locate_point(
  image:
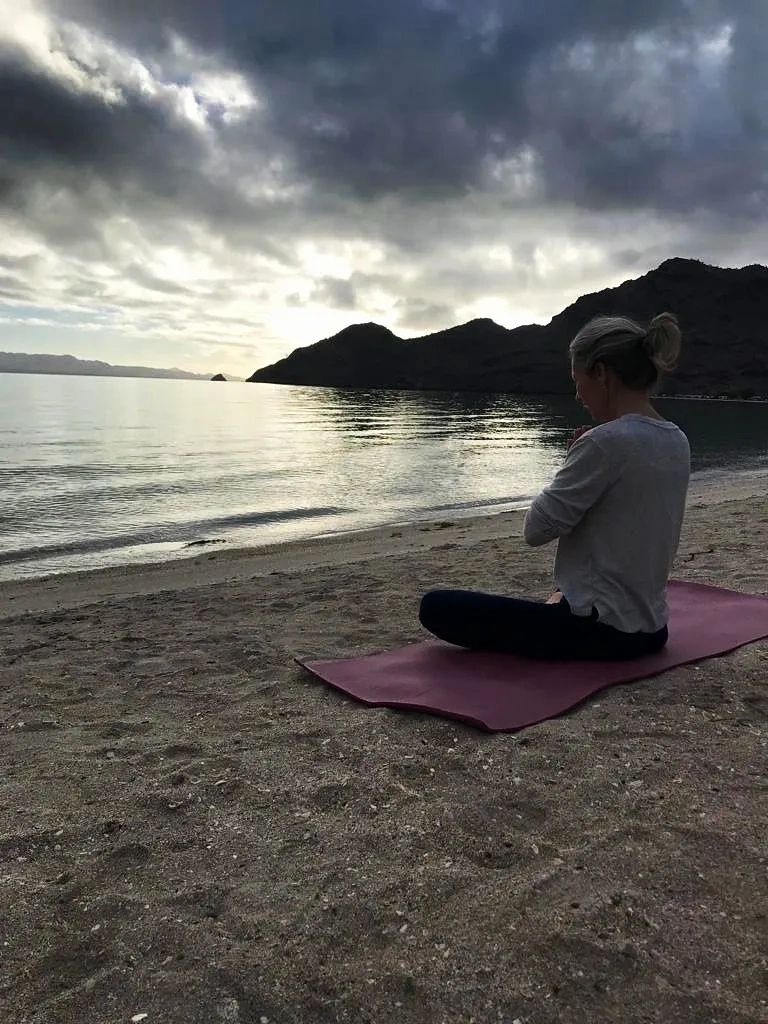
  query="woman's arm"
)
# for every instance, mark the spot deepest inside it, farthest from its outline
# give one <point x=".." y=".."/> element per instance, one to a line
<point x="585" y="476"/>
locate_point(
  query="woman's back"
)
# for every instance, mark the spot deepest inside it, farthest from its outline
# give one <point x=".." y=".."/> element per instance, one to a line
<point x="617" y="507"/>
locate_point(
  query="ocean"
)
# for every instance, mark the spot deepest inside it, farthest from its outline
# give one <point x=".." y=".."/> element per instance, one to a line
<point x="103" y="471"/>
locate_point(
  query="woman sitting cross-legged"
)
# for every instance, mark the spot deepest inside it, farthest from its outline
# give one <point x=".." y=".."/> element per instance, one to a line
<point x="615" y="508"/>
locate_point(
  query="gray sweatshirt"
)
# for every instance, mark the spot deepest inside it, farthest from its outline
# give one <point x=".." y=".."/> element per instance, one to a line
<point x="617" y="507"/>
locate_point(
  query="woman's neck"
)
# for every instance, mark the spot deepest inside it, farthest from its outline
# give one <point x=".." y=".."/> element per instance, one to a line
<point x="628" y="403"/>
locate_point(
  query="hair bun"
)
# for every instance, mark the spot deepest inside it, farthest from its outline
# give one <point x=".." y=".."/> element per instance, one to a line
<point x="662" y="342"/>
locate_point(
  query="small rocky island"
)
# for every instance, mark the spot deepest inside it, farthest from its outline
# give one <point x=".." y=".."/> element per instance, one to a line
<point x="219" y="376"/>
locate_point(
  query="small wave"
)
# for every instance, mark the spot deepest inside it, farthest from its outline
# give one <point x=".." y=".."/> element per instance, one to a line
<point x="168" y="533"/>
<point x="515" y="499"/>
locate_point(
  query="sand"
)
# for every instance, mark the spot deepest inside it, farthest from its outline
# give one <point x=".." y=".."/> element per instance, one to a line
<point x="192" y="829"/>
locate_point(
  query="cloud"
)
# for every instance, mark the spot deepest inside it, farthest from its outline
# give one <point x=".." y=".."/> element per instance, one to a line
<point x="193" y="170"/>
<point x="152" y="282"/>
<point x="416" y="315"/>
<point x="48" y="127"/>
<point x="337" y="292"/>
<point x="428" y="98"/>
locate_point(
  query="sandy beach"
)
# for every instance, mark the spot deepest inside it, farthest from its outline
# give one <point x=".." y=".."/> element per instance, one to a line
<point x="193" y="830"/>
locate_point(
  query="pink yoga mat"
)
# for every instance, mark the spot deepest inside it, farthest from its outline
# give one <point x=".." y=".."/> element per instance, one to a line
<point x="504" y="692"/>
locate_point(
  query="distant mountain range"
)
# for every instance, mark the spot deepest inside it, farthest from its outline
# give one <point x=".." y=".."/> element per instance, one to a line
<point x="723" y="315"/>
<point x="21" y="362"/>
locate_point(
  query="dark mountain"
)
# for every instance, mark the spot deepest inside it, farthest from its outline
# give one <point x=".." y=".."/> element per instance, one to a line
<point x="218" y="376"/>
<point x="723" y="314"/>
<point x="22" y="362"/>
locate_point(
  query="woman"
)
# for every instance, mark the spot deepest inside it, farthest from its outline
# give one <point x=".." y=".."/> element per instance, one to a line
<point x="615" y="508"/>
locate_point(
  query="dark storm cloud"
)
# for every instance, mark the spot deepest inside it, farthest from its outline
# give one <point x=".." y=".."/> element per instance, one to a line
<point x="47" y="125"/>
<point x="408" y="95"/>
<point x="417" y="96"/>
<point x="130" y="153"/>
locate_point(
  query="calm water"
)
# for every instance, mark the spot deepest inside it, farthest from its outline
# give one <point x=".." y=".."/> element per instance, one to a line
<point x="105" y="471"/>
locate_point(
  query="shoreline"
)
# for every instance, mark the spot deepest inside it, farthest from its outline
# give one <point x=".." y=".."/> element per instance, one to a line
<point x="195" y="378"/>
<point x="214" y="565"/>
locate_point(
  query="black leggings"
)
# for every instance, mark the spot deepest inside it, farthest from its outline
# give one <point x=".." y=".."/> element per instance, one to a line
<point x="531" y="628"/>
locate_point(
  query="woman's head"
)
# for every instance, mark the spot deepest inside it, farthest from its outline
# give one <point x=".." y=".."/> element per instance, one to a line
<point x="614" y="354"/>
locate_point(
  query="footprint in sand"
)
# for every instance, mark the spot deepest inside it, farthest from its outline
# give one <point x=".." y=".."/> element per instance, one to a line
<point x="495" y="833"/>
<point x="118" y="728"/>
<point x="331" y="796"/>
<point x="183" y="750"/>
<point x="71" y="963"/>
<point x="585" y="968"/>
<point x="201" y="901"/>
<point x="130" y="855"/>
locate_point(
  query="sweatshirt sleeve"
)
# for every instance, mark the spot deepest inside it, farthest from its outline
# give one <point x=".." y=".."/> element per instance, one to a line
<point x="585" y="476"/>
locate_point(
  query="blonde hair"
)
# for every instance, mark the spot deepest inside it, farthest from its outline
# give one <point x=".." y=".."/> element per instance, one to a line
<point x="638" y="355"/>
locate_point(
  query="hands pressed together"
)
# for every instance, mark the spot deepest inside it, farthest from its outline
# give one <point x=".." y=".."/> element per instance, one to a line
<point x="557" y="597"/>
<point x="578" y="432"/>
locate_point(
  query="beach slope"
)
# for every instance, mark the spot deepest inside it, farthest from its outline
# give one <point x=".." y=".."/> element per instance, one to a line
<point x="193" y="830"/>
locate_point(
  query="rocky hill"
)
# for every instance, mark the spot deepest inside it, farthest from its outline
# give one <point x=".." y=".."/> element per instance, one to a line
<point x="723" y="314"/>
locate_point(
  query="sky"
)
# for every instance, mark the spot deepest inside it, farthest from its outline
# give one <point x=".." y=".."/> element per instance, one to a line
<point x="212" y="183"/>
